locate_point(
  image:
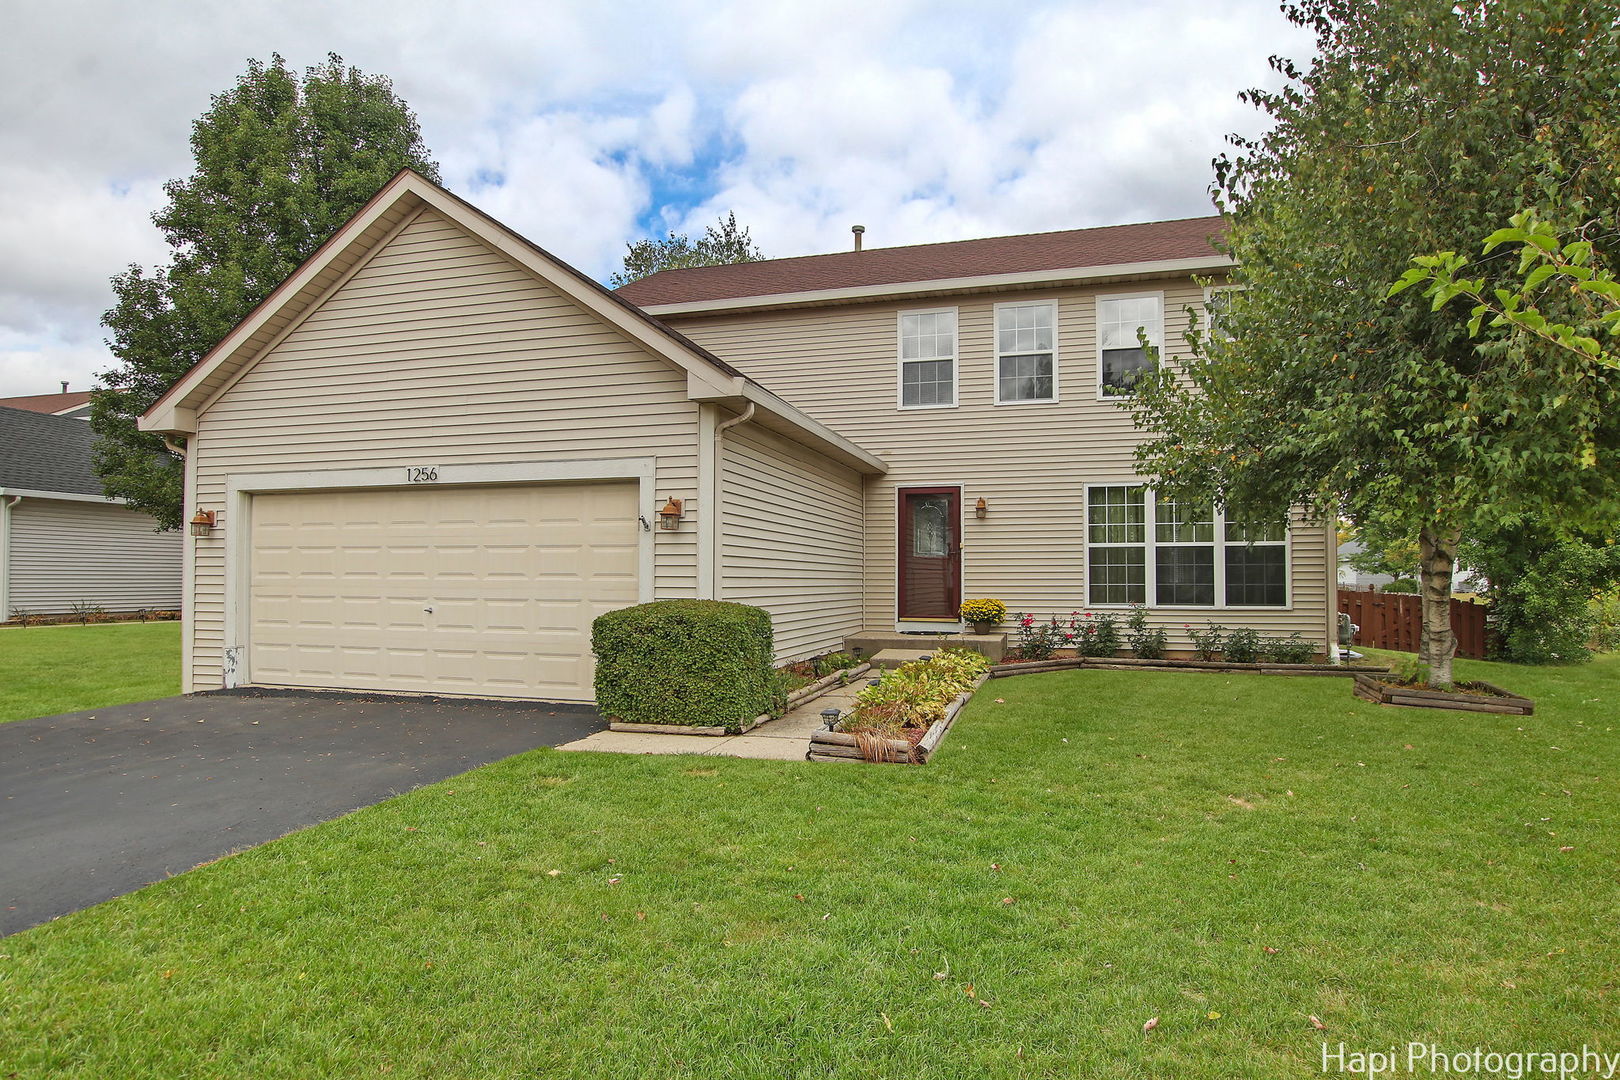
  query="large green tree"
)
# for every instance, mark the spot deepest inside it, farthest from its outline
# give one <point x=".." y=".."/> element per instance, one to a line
<point x="281" y="161"/>
<point x="1419" y="126"/>
<point x="723" y="242"/>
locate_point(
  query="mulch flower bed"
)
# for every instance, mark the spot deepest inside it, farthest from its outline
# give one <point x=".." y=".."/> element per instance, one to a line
<point x="1475" y="696"/>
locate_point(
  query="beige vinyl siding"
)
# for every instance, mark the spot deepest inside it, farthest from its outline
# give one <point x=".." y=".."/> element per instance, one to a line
<point x="791" y="540"/>
<point x="439" y="351"/>
<point x="64" y="552"/>
<point x="1030" y="462"/>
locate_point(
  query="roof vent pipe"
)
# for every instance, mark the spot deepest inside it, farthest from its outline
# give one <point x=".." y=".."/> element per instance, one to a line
<point x="857" y="230"/>
<point x="64" y="387"/>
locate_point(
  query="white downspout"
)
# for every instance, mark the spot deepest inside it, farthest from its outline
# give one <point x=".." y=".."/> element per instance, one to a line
<point x="717" y="575"/>
<point x="6" y="503"/>
<point x="188" y="561"/>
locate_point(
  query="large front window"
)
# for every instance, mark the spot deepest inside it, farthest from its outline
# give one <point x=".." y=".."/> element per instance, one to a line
<point x="1179" y="554"/>
<point x="928" y="359"/>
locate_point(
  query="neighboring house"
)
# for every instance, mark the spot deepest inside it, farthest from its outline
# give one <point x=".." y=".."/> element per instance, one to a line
<point x="1350" y="577"/>
<point x="74" y="403"/>
<point x="435" y="453"/>
<point x="62" y="541"/>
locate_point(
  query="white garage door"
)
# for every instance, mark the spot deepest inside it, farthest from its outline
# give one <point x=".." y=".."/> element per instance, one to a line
<point x="486" y="590"/>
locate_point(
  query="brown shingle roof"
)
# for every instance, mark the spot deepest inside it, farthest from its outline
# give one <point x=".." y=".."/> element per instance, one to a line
<point x="1188" y="238"/>
<point x="48" y="403"/>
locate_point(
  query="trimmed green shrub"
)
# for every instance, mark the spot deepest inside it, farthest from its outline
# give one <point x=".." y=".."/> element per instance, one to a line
<point x="697" y="663"/>
<point x="1402" y="585"/>
<point x="1292" y="649"/>
<point x="1243" y="645"/>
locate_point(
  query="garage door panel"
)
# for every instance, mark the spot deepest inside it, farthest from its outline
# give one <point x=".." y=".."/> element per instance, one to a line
<point x="514" y="575"/>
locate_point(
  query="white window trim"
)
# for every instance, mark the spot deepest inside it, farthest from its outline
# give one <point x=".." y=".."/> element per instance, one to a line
<point x="1097" y="335"/>
<point x="900" y="360"/>
<point x="1151" y="569"/>
<point x="995" y="330"/>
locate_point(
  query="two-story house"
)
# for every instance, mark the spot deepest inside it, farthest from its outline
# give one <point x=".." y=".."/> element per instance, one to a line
<point x="436" y="453"/>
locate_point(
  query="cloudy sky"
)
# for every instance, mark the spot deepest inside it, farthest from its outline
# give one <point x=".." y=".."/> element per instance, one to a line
<point x="589" y="124"/>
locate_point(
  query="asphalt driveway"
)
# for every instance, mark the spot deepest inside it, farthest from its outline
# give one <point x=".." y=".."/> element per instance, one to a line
<point x="95" y="804"/>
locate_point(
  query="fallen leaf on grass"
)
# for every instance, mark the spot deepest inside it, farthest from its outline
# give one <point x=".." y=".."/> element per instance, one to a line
<point x="886" y="1021"/>
<point x="1510" y="984"/>
<point x="941" y="976"/>
<point x="1269" y="951"/>
<point x="641" y="916"/>
<point x="984" y="1003"/>
<point x="968" y="990"/>
<point x="1317" y="1023"/>
<point x="1566" y="848"/>
<point x="553" y="873"/>
<point x="1150" y="1025"/>
<point x="1214" y="1015"/>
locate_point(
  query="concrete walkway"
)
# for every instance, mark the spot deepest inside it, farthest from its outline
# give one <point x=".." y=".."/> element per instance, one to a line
<point x="787" y="739"/>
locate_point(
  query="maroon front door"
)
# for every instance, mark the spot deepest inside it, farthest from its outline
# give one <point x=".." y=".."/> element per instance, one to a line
<point x="930" y="553"/>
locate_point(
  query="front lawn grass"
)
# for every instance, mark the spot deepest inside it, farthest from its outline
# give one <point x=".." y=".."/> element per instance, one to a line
<point x="60" y="669"/>
<point x="1090" y="849"/>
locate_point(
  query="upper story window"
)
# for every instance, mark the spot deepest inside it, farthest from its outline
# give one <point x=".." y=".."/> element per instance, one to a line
<point x="1120" y="356"/>
<point x="1026" y="353"/>
<point x="928" y="359"/>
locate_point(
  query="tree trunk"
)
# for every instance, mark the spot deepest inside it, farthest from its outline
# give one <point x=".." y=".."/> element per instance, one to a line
<point x="1437" y="547"/>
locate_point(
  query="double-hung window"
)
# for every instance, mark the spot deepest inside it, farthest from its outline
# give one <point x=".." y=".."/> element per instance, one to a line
<point x="928" y="359"/>
<point x="1147" y="550"/>
<point x="1026" y="353"/>
<point x="1121" y="359"/>
<point x="1256" y="565"/>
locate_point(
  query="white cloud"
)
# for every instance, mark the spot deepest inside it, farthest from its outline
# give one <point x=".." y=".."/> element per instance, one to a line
<point x="922" y="119"/>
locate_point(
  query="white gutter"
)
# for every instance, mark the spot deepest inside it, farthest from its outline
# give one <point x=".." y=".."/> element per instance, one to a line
<point x="1204" y="263"/>
<point x="6" y="503"/>
<point x="65" y="496"/>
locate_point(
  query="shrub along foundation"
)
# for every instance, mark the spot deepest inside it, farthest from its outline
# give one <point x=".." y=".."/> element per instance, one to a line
<point x="1120" y="663"/>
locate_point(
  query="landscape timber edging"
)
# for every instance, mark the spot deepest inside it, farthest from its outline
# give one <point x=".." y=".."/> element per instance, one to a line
<point x="1370" y="688"/>
<point x="842" y="746"/>
<point x="1122" y="663"/>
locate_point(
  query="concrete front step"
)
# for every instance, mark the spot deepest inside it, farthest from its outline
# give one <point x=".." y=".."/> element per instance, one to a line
<point x="867" y="643"/>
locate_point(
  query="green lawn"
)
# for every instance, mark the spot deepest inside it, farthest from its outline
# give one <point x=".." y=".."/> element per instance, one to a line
<point x="1230" y="854"/>
<point x="58" y="669"/>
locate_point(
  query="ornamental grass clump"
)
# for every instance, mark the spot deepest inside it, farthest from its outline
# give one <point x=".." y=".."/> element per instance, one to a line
<point x="915" y="695"/>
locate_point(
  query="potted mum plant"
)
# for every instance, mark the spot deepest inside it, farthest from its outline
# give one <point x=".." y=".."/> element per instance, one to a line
<point x="984" y="614"/>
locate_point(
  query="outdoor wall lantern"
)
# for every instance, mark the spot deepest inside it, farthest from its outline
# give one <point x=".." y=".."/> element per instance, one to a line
<point x="203" y="523"/>
<point x="981" y="509"/>
<point x="669" y="518"/>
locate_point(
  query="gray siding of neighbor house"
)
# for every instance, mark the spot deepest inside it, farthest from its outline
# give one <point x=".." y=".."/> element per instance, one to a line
<point x="63" y="552"/>
<point x="791" y="540"/>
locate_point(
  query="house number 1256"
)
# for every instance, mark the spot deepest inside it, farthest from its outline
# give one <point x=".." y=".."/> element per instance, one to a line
<point x="423" y="474"/>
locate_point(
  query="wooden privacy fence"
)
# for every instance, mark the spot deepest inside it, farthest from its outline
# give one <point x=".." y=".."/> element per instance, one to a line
<point x="1395" y="621"/>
